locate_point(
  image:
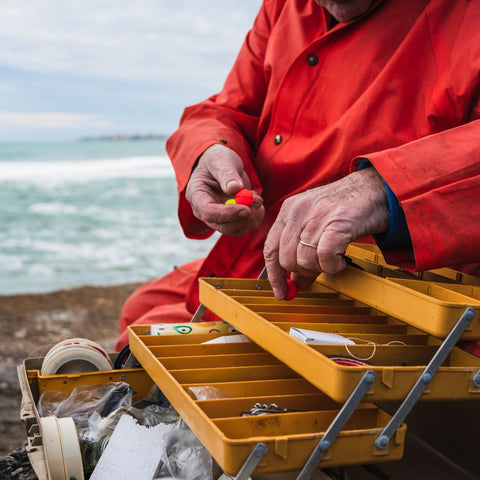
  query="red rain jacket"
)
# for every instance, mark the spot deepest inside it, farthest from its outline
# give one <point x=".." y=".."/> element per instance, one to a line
<point x="303" y="103"/>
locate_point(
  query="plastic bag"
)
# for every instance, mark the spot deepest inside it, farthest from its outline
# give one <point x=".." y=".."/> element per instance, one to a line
<point x="85" y="400"/>
<point x="149" y="416"/>
<point x="154" y="397"/>
<point x="207" y="393"/>
<point x="96" y="411"/>
<point x="184" y="457"/>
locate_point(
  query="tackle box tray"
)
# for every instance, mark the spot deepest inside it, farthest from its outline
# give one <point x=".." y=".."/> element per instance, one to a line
<point x="432" y="301"/>
<point x="400" y="356"/>
<point x="32" y="385"/>
<point x="245" y="374"/>
<point x="370" y="258"/>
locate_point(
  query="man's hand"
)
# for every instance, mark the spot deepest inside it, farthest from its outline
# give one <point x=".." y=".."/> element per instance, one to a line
<point x="218" y="176"/>
<point x="326" y="219"/>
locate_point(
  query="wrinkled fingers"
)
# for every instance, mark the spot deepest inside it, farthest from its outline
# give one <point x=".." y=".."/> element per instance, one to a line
<point x="276" y="273"/>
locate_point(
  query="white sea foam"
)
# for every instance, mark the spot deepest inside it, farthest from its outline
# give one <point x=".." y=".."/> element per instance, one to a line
<point x="10" y="263"/>
<point x="79" y="171"/>
<point x="53" y="209"/>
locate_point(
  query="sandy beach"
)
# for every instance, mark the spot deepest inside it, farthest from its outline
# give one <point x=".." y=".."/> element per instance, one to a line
<point x="30" y="324"/>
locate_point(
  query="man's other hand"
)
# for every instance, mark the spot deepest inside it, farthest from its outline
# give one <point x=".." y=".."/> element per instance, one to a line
<point x="313" y="229"/>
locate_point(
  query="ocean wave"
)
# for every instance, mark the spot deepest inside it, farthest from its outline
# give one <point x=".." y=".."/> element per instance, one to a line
<point x="51" y="263"/>
<point x="53" y="209"/>
<point x="79" y="171"/>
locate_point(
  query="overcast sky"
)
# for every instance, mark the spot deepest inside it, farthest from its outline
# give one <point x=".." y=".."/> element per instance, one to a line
<point x="90" y="67"/>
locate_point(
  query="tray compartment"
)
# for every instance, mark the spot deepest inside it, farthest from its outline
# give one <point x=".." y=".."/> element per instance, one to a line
<point x="215" y="361"/>
<point x="230" y="407"/>
<point x="259" y="388"/>
<point x="235" y="374"/>
<point x="230" y="437"/>
<point x="301" y="422"/>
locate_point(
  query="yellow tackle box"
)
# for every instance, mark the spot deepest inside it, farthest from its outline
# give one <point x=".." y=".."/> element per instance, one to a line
<point x="244" y="374"/>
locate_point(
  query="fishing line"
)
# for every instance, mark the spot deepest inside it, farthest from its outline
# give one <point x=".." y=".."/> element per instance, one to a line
<point x="374" y="345"/>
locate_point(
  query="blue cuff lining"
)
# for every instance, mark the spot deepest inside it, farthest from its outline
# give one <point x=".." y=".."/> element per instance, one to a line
<point x="397" y="236"/>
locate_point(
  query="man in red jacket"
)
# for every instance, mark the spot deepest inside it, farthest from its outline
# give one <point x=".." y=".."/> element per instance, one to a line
<point x="346" y="118"/>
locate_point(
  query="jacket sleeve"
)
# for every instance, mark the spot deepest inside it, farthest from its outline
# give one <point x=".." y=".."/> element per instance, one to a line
<point x="436" y="180"/>
<point x="230" y="117"/>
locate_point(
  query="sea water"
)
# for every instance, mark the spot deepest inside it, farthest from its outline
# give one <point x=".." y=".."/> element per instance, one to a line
<point x="88" y="212"/>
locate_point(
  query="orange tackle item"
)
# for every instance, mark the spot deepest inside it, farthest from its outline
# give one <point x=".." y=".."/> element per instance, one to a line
<point x="244" y="197"/>
<point x="292" y="290"/>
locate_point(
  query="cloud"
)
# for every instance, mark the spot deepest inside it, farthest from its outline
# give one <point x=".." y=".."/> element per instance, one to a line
<point x="182" y="41"/>
<point x="52" y="120"/>
<point x="77" y="67"/>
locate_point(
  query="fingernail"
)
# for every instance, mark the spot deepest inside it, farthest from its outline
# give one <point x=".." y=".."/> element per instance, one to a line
<point x="243" y="213"/>
<point x="277" y="293"/>
<point x="232" y="184"/>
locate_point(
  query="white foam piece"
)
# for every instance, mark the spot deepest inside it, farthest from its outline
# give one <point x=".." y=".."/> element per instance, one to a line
<point x="229" y="339"/>
<point x="313" y="336"/>
<point x="134" y="451"/>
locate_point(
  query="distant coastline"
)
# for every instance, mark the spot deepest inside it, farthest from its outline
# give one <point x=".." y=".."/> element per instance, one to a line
<point x="124" y="138"/>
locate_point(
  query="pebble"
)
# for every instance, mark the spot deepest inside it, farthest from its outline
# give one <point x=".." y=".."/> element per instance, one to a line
<point x="17" y="466"/>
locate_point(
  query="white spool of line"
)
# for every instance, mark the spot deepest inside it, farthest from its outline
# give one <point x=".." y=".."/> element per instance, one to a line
<point x="75" y="355"/>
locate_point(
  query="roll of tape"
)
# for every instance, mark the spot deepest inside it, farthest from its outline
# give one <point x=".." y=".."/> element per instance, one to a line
<point x="75" y="355"/>
<point x="53" y="448"/>
<point x="75" y="360"/>
<point x="72" y="457"/>
<point x="75" y="342"/>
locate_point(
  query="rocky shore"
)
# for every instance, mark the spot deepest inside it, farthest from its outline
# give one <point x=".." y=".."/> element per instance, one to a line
<point x="30" y="324"/>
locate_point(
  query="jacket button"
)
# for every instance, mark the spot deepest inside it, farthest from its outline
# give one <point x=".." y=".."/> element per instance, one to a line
<point x="312" y="60"/>
<point x="278" y="139"/>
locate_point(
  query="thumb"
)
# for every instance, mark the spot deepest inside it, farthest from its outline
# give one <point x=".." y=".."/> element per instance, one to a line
<point x="232" y="184"/>
<point x="229" y="178"/>
<point x="227" y="168"/>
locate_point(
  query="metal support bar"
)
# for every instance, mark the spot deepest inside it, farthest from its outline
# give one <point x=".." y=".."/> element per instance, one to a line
<point x="338" y="423"/>
<point x="426" y="377"/>
<point x="476" y="379"/>
<point x="263" y="274"/>
<point x="252" y="461"/>
<point x="197" y="316"/>
<point x="130" y="362"/>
